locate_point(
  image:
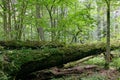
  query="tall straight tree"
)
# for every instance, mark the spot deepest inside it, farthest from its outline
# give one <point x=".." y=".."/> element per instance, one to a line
<point x="108" y="35"/>
<point x="20" y="22"/>
<point x="99" y="7"/>
<point x="49" y="8"/>
<point x="7" y="18"/>
<point x="38" y="16"/>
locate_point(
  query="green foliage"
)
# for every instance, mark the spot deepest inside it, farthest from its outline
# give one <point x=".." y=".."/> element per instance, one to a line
<point x="97" y="60"/>
<point x="116" y="63"/>
<point x="94" y="77"/>
<point x="1" y="48"/>
<point x="3" y="76"/>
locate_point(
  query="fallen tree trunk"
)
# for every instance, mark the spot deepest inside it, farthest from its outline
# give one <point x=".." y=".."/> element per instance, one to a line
<point x="30" y="44"/>
<point x="59" y="56"/>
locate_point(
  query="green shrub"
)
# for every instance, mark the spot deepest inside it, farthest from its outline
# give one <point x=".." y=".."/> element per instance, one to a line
<point x="1" y="48"/>
<point x="95" y="77"/>
<point x="116" y="63"/>
<point x="96" y="60"/>
<point x="3" y="76"/>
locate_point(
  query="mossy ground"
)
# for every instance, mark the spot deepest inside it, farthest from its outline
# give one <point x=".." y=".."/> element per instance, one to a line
<point x="95" y="73"/>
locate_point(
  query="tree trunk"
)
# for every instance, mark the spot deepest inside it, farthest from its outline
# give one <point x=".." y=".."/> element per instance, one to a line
<point x="38" y="16"/>
<point x="19" y="26"/>
<point x="7" y="19"/>
<point x="108" y="35"/>
<point x="30" y="44"/>
<point x="51" y="12"/>
<point x="60" y="56"/>
<point x="98" y="22"/>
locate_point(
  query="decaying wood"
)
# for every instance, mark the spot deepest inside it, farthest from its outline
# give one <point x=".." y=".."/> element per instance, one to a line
<point x="63" y="55"/>
<point x="30" y="44"/>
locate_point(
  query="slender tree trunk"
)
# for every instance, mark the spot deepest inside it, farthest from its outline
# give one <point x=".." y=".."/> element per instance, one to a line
<point x="5" y="19"/>
<point x="19" y="27"/>
<point x="63" y="14"/>
<point x="104" y="23"/>
<point x="13" y="2"/>
<point x="38" y="16"/>
<point x="52" y="26"/>
<point x="9" y="19"/>
<point x="22" y="15"/>
<point x="108" y="35"/>
<point x="98" y="22"/>
<point x="50" y="10"/>
<point x="54" y="23"/>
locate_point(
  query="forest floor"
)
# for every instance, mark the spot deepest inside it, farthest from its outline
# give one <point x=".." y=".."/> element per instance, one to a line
<point x="91" y="68"/>
<point x="84" y="72"/>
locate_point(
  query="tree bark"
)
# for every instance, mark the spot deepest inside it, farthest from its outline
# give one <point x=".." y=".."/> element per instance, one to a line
<point x="108" y="35"/>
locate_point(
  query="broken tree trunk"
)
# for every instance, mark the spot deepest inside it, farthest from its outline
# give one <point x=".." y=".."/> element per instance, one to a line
<point x="59" y="56"/>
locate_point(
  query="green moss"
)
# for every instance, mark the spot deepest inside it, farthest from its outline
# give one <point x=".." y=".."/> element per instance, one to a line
<point x="30" y="44"/>
<point x="1" y="48"/>
<point x="97" y="61"/>
<point x="50" y="55"/>
<point x="116" y="63"/>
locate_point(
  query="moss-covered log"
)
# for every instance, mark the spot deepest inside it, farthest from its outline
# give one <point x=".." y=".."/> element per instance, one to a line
<point x="57" y="56"/>
<point x="30" y="44"/>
